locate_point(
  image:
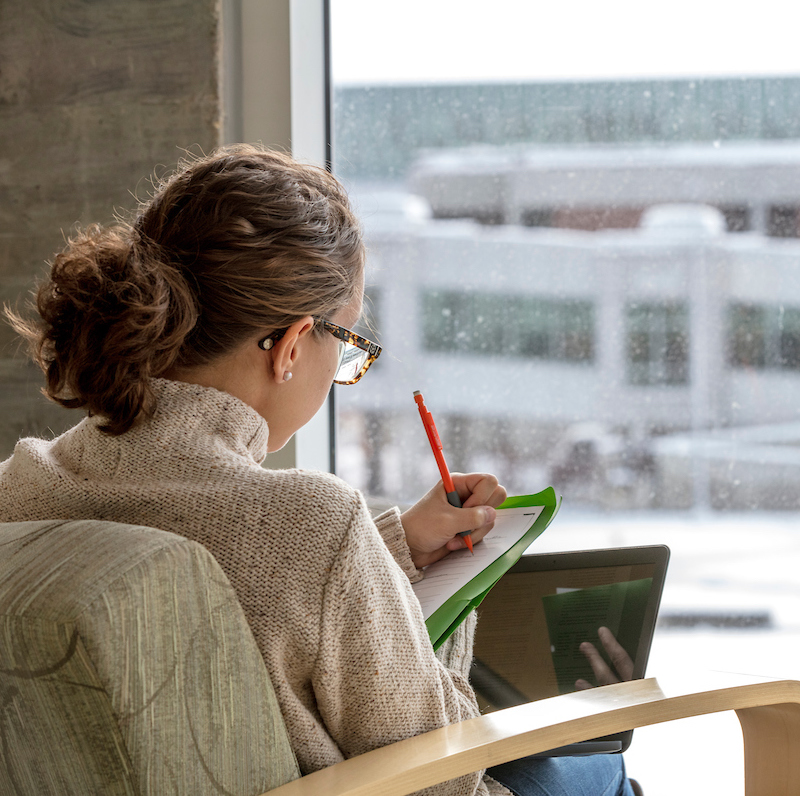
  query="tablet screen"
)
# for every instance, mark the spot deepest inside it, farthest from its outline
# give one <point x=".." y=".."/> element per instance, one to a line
<point x="533" y="622"/>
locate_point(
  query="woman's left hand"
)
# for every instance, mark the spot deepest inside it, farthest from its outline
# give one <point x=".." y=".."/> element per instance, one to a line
<point x="432" y="525"/>
<point x="623" y="665"/>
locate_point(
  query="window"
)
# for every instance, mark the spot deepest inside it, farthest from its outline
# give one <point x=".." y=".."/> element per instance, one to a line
<point x="585" y="236"/>
<point x="508" y="326"/>
<point x="746" y="336"/>
<point x="764" y="337"/>
<point x="737" y="219"/>
<point x="658" y="344"/>
<point x="784" y="221"/>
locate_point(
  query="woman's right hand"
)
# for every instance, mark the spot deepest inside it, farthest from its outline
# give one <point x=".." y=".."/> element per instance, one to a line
<point x="432" y="525"/>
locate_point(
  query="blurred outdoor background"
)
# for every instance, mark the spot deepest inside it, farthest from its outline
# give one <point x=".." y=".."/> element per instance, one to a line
<point x="584" y="249"/>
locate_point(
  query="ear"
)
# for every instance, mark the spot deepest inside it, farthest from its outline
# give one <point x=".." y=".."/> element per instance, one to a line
<point x="288" y="349"/>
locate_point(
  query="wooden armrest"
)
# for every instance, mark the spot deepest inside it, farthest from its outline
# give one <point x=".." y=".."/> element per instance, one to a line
<point x="769" y="711"/>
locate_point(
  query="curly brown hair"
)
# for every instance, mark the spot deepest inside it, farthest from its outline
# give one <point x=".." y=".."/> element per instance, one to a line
<point x="235" y="244"/>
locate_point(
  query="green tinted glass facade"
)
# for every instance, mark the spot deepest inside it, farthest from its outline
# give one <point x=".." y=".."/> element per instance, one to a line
<point x="761" y="336"/>
<point x="658" y="343"/>
<point x="406" y="119"/>
<point x="507" y="325"/>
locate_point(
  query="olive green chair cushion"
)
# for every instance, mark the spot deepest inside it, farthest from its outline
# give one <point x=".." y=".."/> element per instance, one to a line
<point x="127" y="667"/>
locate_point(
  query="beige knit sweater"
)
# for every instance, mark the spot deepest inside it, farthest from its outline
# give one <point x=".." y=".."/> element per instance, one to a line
<point x="324" y="587"/>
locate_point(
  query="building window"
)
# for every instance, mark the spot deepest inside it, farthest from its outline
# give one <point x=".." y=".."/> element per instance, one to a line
<point x="783" y="221"/>
<point x="507" y="325"/>
<point x="764" y="337"/>
<point x="658" y="343"/>
<point x="738" y="218"/>
<point x="537" y="217"/>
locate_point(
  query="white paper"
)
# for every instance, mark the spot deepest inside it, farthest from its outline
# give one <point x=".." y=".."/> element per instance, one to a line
<point x="446" y="577"/>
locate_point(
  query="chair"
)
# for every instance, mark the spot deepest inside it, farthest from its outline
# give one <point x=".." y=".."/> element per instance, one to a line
<point x="127" y="667"/>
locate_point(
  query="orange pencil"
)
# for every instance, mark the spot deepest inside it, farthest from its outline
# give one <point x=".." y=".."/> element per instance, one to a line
<point x="436" y="444"/>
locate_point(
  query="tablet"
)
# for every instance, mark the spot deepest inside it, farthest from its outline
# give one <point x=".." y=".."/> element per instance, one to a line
<point x="532" y="623"/>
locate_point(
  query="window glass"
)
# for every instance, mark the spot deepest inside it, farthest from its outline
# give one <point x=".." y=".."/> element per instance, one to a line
<point x="658" y="343"/>
<point x="583" y="226"/>
<point x="764" y="336"/>
<point x="505" y="325"/>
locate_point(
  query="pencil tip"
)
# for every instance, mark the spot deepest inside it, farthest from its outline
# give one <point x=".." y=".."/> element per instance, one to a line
<point x="468" y="541"/>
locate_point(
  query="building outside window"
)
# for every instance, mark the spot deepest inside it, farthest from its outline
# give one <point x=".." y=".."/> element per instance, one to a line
<point x="586" y="246"/>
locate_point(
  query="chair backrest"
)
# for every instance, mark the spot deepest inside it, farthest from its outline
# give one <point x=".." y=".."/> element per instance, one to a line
<point x="127" y="667"/>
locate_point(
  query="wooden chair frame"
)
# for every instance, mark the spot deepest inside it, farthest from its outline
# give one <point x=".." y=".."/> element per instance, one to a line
<point x="768" y="710"/>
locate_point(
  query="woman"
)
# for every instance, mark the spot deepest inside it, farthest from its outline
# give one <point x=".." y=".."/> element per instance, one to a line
<point x="199" y="338"/>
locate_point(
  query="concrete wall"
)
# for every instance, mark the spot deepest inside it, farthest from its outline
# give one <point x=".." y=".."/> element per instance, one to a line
<point x="93" y="98"/>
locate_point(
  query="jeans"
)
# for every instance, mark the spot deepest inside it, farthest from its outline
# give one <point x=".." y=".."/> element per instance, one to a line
<point x="593" y="775"/>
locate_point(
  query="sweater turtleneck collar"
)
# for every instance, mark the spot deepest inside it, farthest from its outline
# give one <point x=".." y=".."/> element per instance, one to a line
<point x="236" y="424"/>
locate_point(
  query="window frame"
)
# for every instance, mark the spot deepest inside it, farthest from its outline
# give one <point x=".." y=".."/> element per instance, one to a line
<point x="275" y="85"/>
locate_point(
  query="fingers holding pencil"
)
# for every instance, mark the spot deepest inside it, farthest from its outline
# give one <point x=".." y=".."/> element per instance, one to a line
<point x="432" y="525"/>
<point x="480" y="494"/>
<point x="478" y="489"/>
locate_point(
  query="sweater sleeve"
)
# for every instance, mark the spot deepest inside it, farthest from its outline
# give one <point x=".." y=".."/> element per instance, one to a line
<point x="456" y="653"/>
<point x="393" y="534"/>
<point x="376" y="679"/>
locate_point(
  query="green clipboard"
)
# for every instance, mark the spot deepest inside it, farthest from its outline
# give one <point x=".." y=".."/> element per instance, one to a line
<point x="445" y="619"/>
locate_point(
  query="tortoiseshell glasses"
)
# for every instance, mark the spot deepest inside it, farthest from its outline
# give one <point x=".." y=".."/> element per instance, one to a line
<point x="356" y="353"/>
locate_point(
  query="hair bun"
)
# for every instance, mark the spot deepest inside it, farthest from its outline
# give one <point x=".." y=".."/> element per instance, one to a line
<point x="112" y="317"/>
